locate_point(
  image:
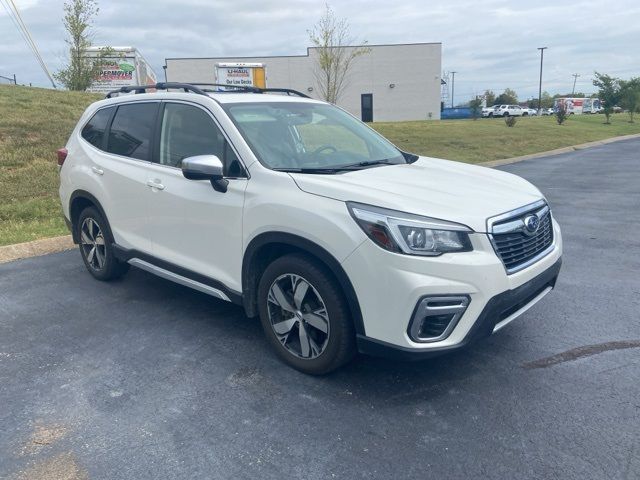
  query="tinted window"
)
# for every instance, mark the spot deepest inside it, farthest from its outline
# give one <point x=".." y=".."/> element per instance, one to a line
<point x="93" y="131"/>
<point x="130" y="133"/>
<point x="188" y="131"/>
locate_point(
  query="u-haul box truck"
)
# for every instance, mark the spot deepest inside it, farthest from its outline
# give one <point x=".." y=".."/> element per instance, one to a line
<point x="241" y="74"/>
<point x="126" y="66"/>
<point x="573" y="106"/>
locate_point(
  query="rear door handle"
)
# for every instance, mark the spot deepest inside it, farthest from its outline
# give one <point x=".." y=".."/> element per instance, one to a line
<point x="97" y="170"/>
<point x="155" y="184"/>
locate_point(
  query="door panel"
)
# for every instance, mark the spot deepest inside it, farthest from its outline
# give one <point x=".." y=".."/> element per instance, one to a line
<point x="196" y="227"/>
<point x="191" y="224"/>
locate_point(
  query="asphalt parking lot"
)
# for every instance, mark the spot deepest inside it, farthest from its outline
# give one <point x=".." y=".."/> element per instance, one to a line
<point x="145" y="379"/>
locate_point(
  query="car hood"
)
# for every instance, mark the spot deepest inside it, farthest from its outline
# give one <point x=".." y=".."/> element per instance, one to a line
<point x="431" y="187"/>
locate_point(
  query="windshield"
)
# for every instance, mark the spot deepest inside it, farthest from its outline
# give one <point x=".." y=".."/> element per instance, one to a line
<point x="310" y="137"/>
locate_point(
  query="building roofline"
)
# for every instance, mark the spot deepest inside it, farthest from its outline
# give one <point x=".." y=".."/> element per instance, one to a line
<point x="303" y="55"/>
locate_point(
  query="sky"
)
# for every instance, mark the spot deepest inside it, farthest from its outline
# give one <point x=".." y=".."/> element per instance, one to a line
<point x="491" y="44"/>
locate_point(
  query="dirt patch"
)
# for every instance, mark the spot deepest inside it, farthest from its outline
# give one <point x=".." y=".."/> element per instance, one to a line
<point x="36" y="248"/>
<point x="42" y="436"/>
<point x="60" y="467"/>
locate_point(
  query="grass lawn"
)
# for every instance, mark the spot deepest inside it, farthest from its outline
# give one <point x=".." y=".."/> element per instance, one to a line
<point x="35" y="122"/>
<point x="485" y="139"/>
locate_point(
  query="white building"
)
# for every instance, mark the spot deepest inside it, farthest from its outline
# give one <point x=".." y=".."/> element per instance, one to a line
<point x="391" y="83"/>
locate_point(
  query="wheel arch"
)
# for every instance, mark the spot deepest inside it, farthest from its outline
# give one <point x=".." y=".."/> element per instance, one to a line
<point x="79" y="200"/>
<point x="266" y="247"/>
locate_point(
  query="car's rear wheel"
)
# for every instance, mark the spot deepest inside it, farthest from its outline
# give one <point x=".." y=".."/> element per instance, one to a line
<point x="305" y="316"/>
<point x="506" y="114"/>
<point x="96" y="246"/>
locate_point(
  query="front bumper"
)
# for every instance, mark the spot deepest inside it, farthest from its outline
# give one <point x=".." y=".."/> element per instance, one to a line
<point x="389" y="286"/>
<point x="501" y="308"/>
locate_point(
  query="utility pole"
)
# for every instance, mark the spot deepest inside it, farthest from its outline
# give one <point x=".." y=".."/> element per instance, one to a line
<point x="453" y="87"/>
<point x="575" y="77"/>
<point x="542" y="49"/>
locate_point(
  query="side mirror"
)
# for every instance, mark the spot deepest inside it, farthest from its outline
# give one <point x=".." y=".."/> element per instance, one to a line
<point x="205" y="167"/>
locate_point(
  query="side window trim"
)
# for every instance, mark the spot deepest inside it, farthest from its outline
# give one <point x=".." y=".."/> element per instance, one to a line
<point x="107" y="128"/>
<point x="157" y="135"/>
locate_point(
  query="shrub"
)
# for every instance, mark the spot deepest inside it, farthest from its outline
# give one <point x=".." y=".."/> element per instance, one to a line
<point x="510" y="120"/>
<point x="561" y="114"/>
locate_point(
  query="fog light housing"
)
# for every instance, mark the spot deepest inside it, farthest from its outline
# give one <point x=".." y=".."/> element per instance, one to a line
<point x="436" y="316"/>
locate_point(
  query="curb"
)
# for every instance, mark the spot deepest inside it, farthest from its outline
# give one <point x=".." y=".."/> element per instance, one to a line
<point x="557" y="151"/>
<point x="45" y="246"/>
<point x="36" y="248"/>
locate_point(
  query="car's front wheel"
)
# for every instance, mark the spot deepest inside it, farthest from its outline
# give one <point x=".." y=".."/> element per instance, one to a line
<point x="96" y="246"/>
<point x="305" y="316"/>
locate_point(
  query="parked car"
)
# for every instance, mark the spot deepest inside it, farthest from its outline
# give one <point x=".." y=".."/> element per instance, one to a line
<point x="487" y="112"/>
<point x="529" y="112"/>
<point x="507" y="110"/>
<point x="546" y="111"/>
<point x="306" y="217"/>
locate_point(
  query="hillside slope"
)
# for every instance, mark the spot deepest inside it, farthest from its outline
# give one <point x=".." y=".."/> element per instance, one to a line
<point x="34" y="123"/>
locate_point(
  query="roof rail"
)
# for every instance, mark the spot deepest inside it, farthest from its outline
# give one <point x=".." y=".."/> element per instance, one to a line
<point x="193" y="87"/>
<point x="253" y="89"/>
<point x="187" y="87"/>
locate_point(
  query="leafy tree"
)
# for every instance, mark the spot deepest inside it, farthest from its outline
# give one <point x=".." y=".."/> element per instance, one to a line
<point x="490" y="98"/>
<point x="476" y="107"/>
<point x="546" y="101"/>
<point x="334" y="57"/>
<point x="608" y="92"/>
<point x="81" y="70"/>
<point x="508" y="97"/>
<point x="630" y="96"/>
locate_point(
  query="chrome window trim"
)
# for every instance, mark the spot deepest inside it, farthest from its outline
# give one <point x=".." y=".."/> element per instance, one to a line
<point x="539" y="208"/>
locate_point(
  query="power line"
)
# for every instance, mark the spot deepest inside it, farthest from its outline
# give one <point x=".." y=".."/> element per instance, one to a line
<point x="16" y="18"/>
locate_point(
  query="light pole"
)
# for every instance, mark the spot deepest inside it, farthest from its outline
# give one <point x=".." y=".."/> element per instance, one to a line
<point x="542" y="49"/>
<point x="575" y="77"/>
<point x="453" y="87"/>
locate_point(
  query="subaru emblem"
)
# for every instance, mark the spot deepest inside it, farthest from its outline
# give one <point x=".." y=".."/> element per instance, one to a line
<point x="531" y="223"/>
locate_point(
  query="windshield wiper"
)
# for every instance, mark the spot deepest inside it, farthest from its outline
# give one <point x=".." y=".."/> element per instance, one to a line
<point x="311" y="170"/>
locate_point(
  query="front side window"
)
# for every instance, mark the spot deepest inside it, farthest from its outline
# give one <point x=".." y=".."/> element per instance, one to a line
<point x="93" y="131"/>
<point x="131" y="130"/>
<point x="310" y="136"/>
<point x="188" y="131"/>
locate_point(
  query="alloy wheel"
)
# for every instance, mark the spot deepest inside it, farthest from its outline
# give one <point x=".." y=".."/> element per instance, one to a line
<point x="92" y="243"/>
<point x="298" y="316"/>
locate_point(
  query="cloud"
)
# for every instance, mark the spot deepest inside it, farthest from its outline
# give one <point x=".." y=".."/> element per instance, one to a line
<point x="491" y="44"/>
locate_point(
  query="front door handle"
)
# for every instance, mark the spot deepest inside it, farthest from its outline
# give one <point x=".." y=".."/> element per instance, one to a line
<point x="97" y="170"/>
<point x="155" y="184"/>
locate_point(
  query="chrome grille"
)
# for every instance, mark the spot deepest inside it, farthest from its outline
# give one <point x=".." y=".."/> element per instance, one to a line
<point x="515" y="242"/>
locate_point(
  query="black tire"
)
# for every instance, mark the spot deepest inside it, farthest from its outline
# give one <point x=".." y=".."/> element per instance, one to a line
<point x="339" y="347"/>
<point x="506" y="114"/>
<point x="525" y="114"/>
<point x="103" y="264"/>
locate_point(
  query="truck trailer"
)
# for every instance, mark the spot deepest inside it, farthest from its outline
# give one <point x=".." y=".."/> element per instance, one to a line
<point x="123" y="67"/>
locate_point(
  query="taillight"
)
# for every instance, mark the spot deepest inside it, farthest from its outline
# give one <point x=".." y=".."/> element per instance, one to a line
<point x="62" y="156"/>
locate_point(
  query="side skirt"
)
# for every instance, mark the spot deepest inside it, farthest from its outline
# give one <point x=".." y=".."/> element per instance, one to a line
<point x="177" y="274"/>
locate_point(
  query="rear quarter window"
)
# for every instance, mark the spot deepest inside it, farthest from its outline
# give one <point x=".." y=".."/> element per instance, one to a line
<point x="93" y="131"/>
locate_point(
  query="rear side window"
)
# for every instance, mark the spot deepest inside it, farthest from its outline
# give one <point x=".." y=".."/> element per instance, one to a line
<point x="93" y="131"/>
<point x="131" y="130"/>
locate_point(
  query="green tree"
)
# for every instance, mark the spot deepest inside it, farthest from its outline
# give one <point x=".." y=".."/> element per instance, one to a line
<point x="334" y="55"/>
<point x="630" y="96"/>
<point x="490" y="98"/>
<point x="546" y="101"/>
<point x="508" y="97"/>
<point x="81" y="70"/>
<point x="476" y="108"/>
<point x="608" y="92"/>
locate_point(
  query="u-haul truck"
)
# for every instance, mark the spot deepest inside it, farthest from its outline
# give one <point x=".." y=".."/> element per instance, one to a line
<point x="241" y="74"/>
<point x="125" y="66"/>
<point x="572" y="106"/>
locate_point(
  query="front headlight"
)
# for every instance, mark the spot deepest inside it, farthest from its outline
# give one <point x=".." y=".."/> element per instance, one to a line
<point x="410" y="234"/>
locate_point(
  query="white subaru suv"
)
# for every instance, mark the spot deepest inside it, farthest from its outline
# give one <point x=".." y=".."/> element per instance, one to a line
<point x="292" y="208"/>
